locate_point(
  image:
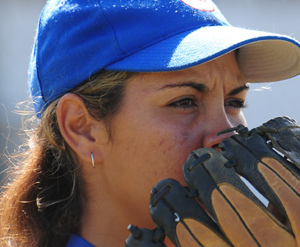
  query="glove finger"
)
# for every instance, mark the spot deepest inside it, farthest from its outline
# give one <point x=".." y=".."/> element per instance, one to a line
<point x="242" y="217"/>
<point x="284" y="134"/>
<point x="287" y="188"/>
<point x="145" y="237"/>
<point x="247" y="148"/>
<point x="276" y="177"/>
<point x="185" y="222"/>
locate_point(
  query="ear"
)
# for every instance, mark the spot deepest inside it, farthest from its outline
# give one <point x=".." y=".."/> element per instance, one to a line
<point x="78" y="127"/>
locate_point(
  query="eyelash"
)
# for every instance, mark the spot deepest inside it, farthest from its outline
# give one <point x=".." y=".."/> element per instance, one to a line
<point x="179" y="103"/>
<point x="238" y="104"/>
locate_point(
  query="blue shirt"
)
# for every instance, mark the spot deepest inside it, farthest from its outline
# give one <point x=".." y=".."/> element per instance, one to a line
<point x="77" y="241"/>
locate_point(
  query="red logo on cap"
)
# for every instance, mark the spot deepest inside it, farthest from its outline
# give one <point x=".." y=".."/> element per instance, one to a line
<point x="203" y="5"/>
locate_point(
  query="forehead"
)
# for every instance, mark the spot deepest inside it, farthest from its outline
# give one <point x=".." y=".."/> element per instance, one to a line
<point x="224" y="70"/>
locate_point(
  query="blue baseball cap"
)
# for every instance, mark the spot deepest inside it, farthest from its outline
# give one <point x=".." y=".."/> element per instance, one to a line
<point x="78" y="38"/>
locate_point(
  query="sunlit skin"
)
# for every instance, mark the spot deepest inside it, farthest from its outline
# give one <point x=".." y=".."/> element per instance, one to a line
<point x="164" y="116"/>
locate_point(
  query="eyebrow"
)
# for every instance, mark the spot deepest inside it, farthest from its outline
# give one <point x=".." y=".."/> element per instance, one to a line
<point x="198" y="86"/>
<point x="202" y="88"/>
<point x="238" y="90"/>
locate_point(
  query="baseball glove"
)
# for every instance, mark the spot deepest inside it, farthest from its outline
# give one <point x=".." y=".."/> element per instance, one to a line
<point x="218" y="209"/>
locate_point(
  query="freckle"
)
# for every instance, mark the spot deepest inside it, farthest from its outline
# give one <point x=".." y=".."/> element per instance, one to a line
<point x="184" y="136"/>
<point x="160" y="142"/>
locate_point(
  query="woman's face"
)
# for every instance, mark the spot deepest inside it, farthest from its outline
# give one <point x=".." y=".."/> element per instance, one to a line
<point x="163" y="117"/>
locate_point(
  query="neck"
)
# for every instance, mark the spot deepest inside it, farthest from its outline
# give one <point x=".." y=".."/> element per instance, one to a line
<point x="108" y="229"/>
<point x="104" y="225"/>
<point x="108" y="212"/>
<point x="107" y="215"/>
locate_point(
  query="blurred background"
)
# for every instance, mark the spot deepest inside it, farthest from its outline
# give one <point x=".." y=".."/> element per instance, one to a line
<point x="18" y="21"/>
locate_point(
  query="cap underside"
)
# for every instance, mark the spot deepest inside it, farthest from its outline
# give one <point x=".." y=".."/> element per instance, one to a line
<point x="263" y="57"/>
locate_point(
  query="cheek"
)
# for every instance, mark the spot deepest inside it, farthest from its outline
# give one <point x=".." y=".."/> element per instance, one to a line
<point x="170" y="154"/>
<point x="147" y="154"/>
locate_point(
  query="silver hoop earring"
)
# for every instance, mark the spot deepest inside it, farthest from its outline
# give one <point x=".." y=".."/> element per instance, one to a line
<point x="93" y="161"/>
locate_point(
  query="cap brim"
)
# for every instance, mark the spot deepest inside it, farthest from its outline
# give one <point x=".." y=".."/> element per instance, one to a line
<point x="262" y="57"/>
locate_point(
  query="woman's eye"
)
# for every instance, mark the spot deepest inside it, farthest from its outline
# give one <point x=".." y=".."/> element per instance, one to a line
<point x="183" y="103"/>
<point x="239" y="104"/>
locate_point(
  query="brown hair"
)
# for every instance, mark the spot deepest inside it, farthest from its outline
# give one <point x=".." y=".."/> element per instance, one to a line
<point x="42" y="203"/>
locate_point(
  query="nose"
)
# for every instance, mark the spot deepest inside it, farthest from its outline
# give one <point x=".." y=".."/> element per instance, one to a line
<point x="215" y="124"/>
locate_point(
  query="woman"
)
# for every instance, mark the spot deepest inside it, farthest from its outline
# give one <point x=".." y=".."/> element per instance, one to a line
<point x="123" y="92"/>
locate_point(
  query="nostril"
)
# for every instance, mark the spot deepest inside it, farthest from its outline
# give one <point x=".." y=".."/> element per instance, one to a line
<point x="215" y="135"/>
<point x="215" y="146"/>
